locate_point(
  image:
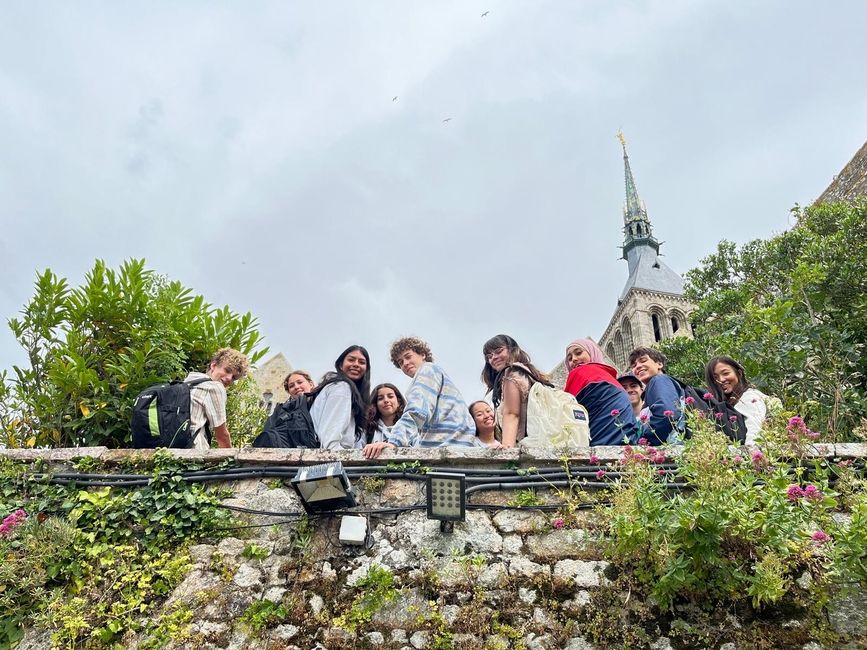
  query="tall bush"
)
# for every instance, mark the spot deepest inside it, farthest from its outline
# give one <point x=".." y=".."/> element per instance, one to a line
<point x="793" y="310"/>
<point x="92" y="348"/>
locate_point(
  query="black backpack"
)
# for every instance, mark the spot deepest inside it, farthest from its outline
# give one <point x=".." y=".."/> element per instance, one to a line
<point x="731" y="423"/>
<point x="290" y="425"/>
<point x="161" y="416"/>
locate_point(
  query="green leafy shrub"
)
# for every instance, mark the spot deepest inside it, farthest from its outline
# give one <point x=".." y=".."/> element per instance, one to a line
<point x="263" y="614"/>
<point x="245" y="414"/>
<point x="746" y="525"/>
<point x="374" y="590"/>
<point x="101" y="573"/>
<point x="93" y="348"/>
<point x="793" y="310"/>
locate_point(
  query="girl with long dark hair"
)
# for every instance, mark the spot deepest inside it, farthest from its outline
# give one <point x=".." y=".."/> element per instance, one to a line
<point x="384" y="409"/>
<point x="339" y="409"/>
<point x="509" y="374"/>
<point x="727" y="380"/>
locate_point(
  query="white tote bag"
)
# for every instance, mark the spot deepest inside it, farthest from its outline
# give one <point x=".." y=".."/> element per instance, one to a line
<point x="555" y="419"/>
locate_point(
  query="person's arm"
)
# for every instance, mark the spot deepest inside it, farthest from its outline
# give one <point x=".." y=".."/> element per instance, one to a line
<point x="333" y="408"/>
<point x="511" y="413"/>
<point x="221" y="435"/>
<point x="214" y="405"/>
<point x="421" y="401"/>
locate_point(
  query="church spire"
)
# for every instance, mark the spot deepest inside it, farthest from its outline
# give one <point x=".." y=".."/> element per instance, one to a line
<point x="636" y="225"/>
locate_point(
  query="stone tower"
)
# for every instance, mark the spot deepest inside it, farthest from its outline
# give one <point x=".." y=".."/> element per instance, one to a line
<point x="651" y="306"/>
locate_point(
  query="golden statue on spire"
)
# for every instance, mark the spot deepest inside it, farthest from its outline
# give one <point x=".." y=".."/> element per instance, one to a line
<point x="622" y="138"/>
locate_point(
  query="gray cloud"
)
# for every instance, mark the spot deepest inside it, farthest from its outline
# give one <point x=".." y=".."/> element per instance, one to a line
<point x="266" y="140"/>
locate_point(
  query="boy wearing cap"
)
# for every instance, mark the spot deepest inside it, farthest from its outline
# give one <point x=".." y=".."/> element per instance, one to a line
<point x="633" y="387"/>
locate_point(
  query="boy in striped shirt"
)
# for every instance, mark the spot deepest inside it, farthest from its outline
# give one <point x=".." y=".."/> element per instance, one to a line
<point x="436" y="413"/>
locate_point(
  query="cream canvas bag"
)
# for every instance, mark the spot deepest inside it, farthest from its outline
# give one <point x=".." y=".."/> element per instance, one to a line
<point x="555" y="419"/>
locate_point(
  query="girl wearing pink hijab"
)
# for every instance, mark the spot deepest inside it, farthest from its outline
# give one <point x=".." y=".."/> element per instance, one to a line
<point x="594" y="384"/>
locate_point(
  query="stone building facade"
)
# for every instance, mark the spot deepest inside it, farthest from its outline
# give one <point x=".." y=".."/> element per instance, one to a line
<point x="651" y="306"/>
<point x="269" y="377"/>
<point x="850" y="183"/>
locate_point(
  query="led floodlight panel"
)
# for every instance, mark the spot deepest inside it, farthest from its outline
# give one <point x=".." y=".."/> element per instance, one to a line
<point x="323" y="487"/>
<point x="446" y="497"/>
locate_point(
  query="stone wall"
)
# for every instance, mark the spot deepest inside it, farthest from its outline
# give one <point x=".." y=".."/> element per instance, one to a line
<point x="850" y="183"/>
<point x="504" y="578"/>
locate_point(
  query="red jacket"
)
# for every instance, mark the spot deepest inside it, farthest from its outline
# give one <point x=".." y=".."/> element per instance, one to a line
<point x="589" y="373"/>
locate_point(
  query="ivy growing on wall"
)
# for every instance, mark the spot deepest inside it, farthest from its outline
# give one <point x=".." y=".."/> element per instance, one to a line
<point x="92" y="564"/>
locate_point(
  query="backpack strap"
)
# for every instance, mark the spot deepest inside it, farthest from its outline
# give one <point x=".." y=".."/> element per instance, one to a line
<point x="195" y="382"/>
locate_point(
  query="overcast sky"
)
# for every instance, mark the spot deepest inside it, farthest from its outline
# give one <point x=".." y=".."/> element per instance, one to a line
<point x="253" y="152"/>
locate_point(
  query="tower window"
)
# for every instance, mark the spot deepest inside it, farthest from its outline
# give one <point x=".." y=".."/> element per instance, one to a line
<point x="657" y="332"/>
<point x="674" y="324"/>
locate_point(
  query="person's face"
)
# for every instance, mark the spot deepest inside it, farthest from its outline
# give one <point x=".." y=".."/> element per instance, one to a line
<point x="645" y="368"/>
<point x="633" y="389"/>
<point x="297" y="384"/>
<point x="354" y="365"/>
<point x="498" y="358"/>
<point x="386" y="401"/>
<point x="410" y="361"/>
<point x="483" y="416"/>
<point x="725" y="377"/>
<point x="577" y="356"/>
<point x="222" y="374"/>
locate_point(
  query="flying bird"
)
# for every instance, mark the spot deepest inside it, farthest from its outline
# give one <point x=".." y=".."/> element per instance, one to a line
<point x="485" y="14"/>
<point x="448" y="119"/>
<point x="394" y="99"/>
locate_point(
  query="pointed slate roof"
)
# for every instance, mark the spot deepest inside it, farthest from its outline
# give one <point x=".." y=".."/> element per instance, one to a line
<point x="640" y="247"/>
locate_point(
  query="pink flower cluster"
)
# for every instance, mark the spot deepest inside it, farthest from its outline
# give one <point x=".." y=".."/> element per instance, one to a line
<point x="795" y="493"/>
<point x="758" y="459"/>
<point x="797" y="430"/>
<point x="820" y="537"/>
<point x="558" y="523"/>
<point x="10" y="522"/>
<point x="644" y="454"/>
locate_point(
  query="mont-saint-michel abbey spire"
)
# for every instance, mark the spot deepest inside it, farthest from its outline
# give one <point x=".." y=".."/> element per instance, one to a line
<point x="651" y="306"/>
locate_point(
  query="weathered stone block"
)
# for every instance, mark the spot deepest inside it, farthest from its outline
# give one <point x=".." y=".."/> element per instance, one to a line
<point x="201" y="553"/>
<point x="512" y="544"/>
<point x="259" y="456"/>
<point x="419" y="535"/>
<point x="63" y="455"/>
<point x="195" y="582"/>
<point x="402" y="612"/>
<point x="284" y="632"/>
<point x="555" y="545"/>
<point x="522" y="567"/>
<point x="847" y="612"/>
<point x="375" y="638"/>
<point x="247" y="577"/>
<point x="520" y="521"/>
<point x="402" y="493"/>
<point x="581" y="573"/>
<point x="578" y="643"/>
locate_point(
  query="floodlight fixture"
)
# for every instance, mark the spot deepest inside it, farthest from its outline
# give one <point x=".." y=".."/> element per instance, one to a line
<point x="446" y="499"/>
<point x="323" y="488"/>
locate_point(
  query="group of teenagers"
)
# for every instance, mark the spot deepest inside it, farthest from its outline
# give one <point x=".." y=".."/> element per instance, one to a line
<point x="644" y="403"/>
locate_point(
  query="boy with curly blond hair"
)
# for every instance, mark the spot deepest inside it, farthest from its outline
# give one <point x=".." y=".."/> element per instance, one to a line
<point x="208" y="399"/>
<point x="436" y="413"/>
